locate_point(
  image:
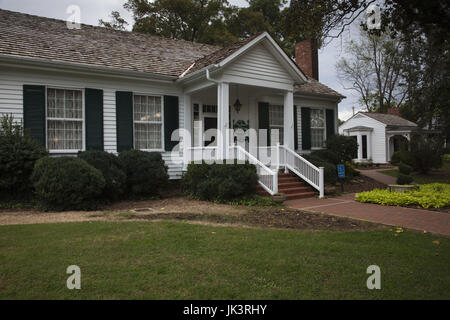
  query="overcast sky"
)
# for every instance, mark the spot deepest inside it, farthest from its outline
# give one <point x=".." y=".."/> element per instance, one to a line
<point x="93" y="10"/>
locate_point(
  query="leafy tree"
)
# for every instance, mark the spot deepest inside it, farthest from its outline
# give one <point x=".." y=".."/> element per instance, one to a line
<point x="374" y="70"/>
<point x="116" y="23"/>
<point x="427" y="70"/>
<point x="191" y="20"/>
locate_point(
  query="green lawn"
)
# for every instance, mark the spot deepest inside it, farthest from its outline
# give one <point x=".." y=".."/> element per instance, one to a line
<point x="140" y="260"/>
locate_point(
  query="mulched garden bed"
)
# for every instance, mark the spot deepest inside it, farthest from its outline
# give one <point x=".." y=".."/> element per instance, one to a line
<point x="271" y="218"/>
<point x="360" y="184"/>
<point x="380" y="166"/>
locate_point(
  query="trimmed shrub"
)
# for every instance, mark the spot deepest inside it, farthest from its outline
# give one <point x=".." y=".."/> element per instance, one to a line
<point x="146" y="173"/>
<point x="67" y="184"/>
<point x="327" y="155"/>
<point x="18" y="155"/>
<point x="426" y="158"/>
<point x="405" y="157"/>
<point x="345" y="148"/>
<point x="111" y="169"/>
<point x="405" y="169"/>
<point x="220" y="182"/>
<point x="404" y="179"/>
<point x="330" y="169"/>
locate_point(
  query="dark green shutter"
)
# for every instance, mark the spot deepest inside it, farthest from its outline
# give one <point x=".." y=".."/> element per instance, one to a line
<point x="34" y="112"/>
<point x="94" y="119"/>
<point x="124" y="120"/>
<point x="263" y="119"/>
<point x="306" y="129"/>
<point x="295" y="129"/>
<point x="330" y="122"/>
<point x="171" y="121"/>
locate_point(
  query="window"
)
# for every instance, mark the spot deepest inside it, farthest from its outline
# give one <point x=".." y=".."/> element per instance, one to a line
<point x="208" y="108"/>
<point x="317" y="128"/>
<point x="276" y="122"/>
<point x="147" y="112"/>
<point x="64" y="120"/>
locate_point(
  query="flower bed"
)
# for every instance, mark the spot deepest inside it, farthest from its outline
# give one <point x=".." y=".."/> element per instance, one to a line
<point x="435" y="195"/>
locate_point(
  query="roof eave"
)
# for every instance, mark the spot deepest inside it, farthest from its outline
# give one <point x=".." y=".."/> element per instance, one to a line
<point x="336" y="98"/>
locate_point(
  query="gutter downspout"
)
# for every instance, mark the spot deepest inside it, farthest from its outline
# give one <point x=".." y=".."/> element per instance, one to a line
<point x="208" y="76"/>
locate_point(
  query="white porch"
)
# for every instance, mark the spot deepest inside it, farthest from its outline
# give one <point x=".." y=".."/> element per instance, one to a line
<point x="216" y="130"/>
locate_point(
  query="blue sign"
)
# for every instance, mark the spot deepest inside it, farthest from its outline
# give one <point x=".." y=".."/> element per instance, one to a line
<point x="341" y="170"/>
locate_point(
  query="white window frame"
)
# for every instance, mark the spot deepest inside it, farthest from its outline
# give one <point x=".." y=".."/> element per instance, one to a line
<point x="163" y="148"/>
<point x="324" y="127"/>
<point x="83" y="120"/>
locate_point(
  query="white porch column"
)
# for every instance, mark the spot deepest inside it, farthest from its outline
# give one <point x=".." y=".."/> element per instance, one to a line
<point x="289" y="119"/>
<point x="360" y="153"/>
<point x="188" y="132"/>
<point x="223" y="112"/>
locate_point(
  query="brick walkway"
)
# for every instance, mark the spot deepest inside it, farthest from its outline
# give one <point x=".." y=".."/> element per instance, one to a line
<point x="346" y="206"/>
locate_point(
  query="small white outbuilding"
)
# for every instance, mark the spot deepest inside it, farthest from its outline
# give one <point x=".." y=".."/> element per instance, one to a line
<point x="378" y="135"/>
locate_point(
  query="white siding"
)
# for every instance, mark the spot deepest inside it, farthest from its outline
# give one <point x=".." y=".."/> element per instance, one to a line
<point x="11" y="100"/>
<point x="258" y="66"/>
<point x="376" y="139"/>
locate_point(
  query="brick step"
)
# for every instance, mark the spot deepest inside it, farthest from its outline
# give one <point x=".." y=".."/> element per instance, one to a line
<point x="291" y="184"/>
<point x="303" y="195"/>
<point x="294" y="190"/>
<point x="288" y="179"/>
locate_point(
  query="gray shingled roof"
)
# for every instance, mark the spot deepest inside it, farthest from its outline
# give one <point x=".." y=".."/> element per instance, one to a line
<point x="314" y="87"/>
<point x="38" y="37"/>
<point x="31" y="36"/>
<point x="390" y="119"/>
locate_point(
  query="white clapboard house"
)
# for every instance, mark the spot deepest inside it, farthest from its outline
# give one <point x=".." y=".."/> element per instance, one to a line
<point x="95" y="88"/>
<point x="379" y="135"/>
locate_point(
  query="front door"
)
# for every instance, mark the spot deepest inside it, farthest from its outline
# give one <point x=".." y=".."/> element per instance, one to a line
<point x="210" y="123"/>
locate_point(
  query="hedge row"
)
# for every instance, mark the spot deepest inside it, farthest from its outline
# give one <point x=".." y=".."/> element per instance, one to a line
<point x="220" y="182"/>
<point x="95" y="177"/>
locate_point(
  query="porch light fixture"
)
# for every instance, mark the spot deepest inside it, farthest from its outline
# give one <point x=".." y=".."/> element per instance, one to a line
<point x="237" y="106"/>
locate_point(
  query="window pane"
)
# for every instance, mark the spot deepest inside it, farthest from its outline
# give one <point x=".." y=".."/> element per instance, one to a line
<point x="60" y="100"/>
<point x="51" y="103"/>
<point x="317" y="138"/>
<point x="64" y="135"/>
<point x="147" y="136"/>
<point x="64" y="104"/>
<point x="276" y="116"/>
<point x="317" y="118"/>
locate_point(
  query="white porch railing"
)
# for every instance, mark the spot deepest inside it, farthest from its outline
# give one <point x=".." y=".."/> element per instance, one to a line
<point x="273" y="157"/>
<point x="267" y="177"/>
<point x="303" y="168"/>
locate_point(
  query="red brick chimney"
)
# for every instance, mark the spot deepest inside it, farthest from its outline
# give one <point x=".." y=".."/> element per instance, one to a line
<point x="394" y="111"/>
<point x="307" y="58"/>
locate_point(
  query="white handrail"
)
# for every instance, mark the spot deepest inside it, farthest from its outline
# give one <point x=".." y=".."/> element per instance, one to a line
<point x="304" y="169"/>
<point x="267" y="178"/>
